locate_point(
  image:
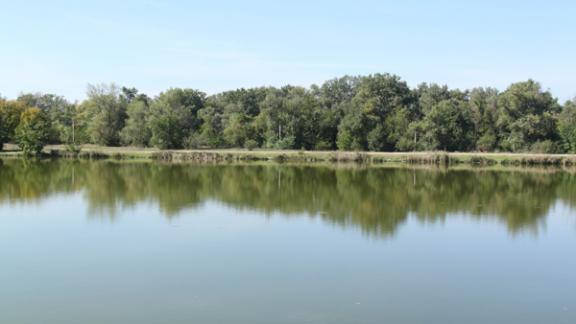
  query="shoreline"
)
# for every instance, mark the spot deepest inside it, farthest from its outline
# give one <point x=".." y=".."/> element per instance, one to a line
<point x="241" y="155"/>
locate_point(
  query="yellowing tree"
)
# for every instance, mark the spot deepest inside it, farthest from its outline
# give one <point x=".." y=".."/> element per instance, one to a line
<point x="10" y="112"/>
<point x="33" y="132"/>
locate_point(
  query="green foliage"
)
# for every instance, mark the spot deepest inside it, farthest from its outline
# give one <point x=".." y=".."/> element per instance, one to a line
<point x="546" y="146"/>
<point x="379" y="98"/>
<point x="567" y="127"/>
<point x="173" y="117"/>
<point x="58" y="110"/>
<point x="212" y="127"/>
<point x="288" y="119"/>
<point x="377" y="138"/>
<point x="250" y="144"/>
<point x="398" y="124"/>
<point x="33" y="132"/>
<point x="73" y="148"/>
<point x="377" y="112"/>
<point x="352" y="132"/>
<point x="429" y="95"/>
<point x="105" y="112"/>
<point x="237" y="130"/>
<point x="194" y="141"/>
<point x="448" y="126"/>
<point x="483" y="103"/>
<point x="10" y="113"/>
<point x="525" y="116"/>
<point x="413" y="138"/>
<point x="487" y="142"/>
<point x="323" y="146"/>
<point x="137" y="131"/>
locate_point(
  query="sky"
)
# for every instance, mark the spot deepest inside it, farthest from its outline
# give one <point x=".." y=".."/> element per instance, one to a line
<point x="61" y="46"/>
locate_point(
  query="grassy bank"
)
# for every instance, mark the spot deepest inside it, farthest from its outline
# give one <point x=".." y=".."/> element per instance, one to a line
<point x="231" y="155"/>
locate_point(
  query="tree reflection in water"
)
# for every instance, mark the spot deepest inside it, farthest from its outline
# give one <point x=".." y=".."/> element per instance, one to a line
<point x="377" y="200"/>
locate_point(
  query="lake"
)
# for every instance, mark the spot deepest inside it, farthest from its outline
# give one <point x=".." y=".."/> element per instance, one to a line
<point x="142" y="242"/>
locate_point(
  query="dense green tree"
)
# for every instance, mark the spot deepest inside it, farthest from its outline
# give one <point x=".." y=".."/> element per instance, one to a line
<point x="484" y="113"/>
<point x="326" y="121"/>
<point x="333" y="93"/>
<point x="449" y="126"/>
<point x="33" y="131"/>
<point x="59" y="111"/>
<point x="10" y="113"/>
<point x="377" y="112"/>
<point x="137" y="132"/>
<point x="352" y="131"/>
<point x="397" y="124"/>
<point x="174" y="117"/>
<point x="287" y="114"/>
<point x="525" y="116"/>
<point x="236" y="113"/>
<point x="130" y="94"/>
<point x="237" y="129"/>
<point x="567" y="127"/>
<point x="333" y="97"/>
<point x="414" y="137"/>
<point x="429" y="95"/>
<point x="212" y="127"/>
<point x="379" y="97"/>
<point x="530" y="131"/>
<point x="105" y="113"/>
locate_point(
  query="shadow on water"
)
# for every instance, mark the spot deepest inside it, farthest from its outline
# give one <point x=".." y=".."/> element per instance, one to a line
<point x="375" y="200"/>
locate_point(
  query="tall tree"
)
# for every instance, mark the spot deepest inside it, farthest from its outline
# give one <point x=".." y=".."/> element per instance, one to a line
<point x="288" y="117"/>
<point x="174" y="117"/>
<point x="567" y="126"/>
<point x="430" y="95"/>
<point x="59" y="111"/>
<point x="484" y="112"/>
<point x="137" y="132"/>
<point x="33" y="131"/>
<point x="352" y="130"/>
<point x="379" y="97"/>
<point x="449" y="126"/>
<point x="10" y="113"/>
<point x="105" y="112"/>
<point x="525" y="116"/>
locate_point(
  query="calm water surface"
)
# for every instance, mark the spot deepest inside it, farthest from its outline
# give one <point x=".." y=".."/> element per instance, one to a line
<point x="105" y="242"/>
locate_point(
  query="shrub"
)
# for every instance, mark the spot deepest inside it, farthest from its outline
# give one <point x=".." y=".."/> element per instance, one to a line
<point x="323" y="146"/>
<point x="546" y="146"/>
<point x="250" y="144"/>
<point x="194" y="141"/>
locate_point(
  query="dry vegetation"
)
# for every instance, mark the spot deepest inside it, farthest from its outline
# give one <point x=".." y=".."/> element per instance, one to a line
<point x="230" y="155"/>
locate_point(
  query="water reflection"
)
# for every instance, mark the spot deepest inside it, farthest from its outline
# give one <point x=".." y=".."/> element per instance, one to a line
<point x="376" y="200"/>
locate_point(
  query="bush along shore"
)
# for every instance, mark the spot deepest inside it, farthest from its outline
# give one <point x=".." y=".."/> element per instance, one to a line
<point x="427" y="158"/>
<point x="439" y="158"/>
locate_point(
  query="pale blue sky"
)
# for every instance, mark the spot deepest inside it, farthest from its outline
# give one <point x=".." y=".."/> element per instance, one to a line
<point x="60" y="46"/>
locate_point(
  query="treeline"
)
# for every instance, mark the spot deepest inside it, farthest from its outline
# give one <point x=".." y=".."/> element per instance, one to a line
<point x="377" y="113"/>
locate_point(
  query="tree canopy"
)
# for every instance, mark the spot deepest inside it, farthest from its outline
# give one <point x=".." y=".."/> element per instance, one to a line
<point x="378" y="112"/>
<point x="33" y="132"/>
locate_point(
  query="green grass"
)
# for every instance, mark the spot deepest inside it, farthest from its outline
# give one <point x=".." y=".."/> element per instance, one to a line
<point x="221" y="155"/>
